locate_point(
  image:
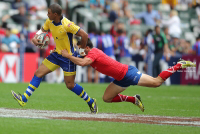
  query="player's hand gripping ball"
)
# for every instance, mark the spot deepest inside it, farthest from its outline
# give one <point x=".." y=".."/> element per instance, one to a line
<point x="44" y="38"/>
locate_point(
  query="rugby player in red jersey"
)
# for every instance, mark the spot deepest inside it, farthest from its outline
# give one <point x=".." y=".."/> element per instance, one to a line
<point x="123" y="74"/>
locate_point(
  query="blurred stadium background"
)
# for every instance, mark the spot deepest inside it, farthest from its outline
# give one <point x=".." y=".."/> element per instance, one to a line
<point x="128" y="26"/>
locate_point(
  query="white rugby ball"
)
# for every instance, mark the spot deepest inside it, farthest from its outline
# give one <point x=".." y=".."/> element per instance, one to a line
<point x="44" y="38"/>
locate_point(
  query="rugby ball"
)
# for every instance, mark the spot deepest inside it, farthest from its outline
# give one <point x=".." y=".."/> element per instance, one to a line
<point x="44" y="38"/>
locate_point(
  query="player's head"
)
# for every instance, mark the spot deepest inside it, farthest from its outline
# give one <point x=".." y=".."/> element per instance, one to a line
<point x="54" y="11"/>
<point x="89" y="43"/>
<point x="89" y="46"/>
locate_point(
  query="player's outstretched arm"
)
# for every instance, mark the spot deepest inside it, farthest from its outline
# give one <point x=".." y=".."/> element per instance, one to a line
<point x="78" y="61"/>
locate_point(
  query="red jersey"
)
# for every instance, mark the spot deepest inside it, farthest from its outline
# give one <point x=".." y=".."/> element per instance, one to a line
<point x="106" y="65"/>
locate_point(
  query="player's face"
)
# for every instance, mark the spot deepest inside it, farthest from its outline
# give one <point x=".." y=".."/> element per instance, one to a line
<point x="51" y="15"/>
<point x="87" y="49"/>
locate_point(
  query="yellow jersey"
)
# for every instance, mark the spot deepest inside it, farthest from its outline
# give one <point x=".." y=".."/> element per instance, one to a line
<point x="62" y="33"/>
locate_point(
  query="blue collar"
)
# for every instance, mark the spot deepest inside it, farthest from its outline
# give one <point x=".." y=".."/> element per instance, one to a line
<point x="59" y="23"/>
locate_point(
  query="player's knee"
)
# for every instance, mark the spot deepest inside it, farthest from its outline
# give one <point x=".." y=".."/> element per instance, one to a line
<point x="105" y="99"/>
<point x="156" y="84"/>
<point x="70" y="85"/>
<point x="38" y="74"/>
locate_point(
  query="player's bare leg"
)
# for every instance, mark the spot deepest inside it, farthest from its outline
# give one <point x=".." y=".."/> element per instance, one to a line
<point x="42" y="71"/>
<point x="69" y="81"/>
<point x="34" y="83"/>
<point x="111" y="91"/>
<point x="112" y="94"/>
<point x="78" y="90"/>
<point x="149" y="81"/>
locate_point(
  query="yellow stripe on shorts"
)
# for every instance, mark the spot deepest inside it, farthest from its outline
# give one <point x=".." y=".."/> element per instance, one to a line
<point x="51" y="66"/>
<point x="69" y="73"/>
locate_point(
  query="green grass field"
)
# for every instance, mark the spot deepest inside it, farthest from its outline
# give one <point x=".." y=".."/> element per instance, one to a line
<point x="181" y="101"/>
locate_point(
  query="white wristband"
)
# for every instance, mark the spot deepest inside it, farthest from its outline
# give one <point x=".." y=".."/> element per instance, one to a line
<point x="82" y="52"/>
<point x="39" y="32"/>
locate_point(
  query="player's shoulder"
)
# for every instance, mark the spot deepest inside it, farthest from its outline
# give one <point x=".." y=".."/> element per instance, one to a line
<point x="97" y="51"/>
<point x="66" y="21"/>
<point x="48" y="21"/>
<point x="93" y="50"/>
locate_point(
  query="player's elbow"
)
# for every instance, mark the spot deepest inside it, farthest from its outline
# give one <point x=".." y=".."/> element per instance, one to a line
<point x="107" y="100"/>
<point x="34" y="38"/>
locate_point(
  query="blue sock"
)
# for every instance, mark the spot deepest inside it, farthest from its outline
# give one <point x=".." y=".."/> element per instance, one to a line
<point x="35" y="82"/>
<point x="80" y="92"/>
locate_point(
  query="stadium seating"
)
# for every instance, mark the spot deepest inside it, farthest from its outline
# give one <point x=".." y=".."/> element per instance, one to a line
<point x="81" y="10"/>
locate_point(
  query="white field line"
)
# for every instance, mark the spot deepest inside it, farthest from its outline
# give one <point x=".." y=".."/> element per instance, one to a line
<point x="47" y="114"/>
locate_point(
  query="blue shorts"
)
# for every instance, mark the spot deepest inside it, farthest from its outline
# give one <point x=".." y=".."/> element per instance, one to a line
<point x="55" y="60"/>
<point x="132" y="77"/>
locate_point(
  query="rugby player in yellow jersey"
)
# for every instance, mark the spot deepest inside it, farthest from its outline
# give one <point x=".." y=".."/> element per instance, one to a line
<point x="62" y="31"/>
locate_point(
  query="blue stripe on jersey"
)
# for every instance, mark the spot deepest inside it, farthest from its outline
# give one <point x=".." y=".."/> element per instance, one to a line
<point x="70" y="35"/>
<point x="78" y="30"/>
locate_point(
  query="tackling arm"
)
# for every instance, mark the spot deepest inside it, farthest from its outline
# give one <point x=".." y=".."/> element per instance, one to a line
<point x="78" y="61"/>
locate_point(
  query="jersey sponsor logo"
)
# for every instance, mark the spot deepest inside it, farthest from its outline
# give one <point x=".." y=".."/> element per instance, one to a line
<point x="69" y="24"/>
<point x="138" y="72"/>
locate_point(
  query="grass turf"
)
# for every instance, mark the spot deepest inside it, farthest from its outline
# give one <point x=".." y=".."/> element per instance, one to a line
<point x="42" y="126"/>
<point x="183" y="101"/>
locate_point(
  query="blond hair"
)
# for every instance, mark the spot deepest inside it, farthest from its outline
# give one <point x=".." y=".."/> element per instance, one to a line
<point x="114" y="6"/>
<point x="174" y="13"/>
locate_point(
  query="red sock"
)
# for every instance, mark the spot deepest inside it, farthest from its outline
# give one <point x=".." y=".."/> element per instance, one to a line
<point x="167" y="73"/>
<point x="121" y="98"/>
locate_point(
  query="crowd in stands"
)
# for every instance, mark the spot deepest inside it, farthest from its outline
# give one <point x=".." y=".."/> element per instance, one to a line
<point x="161" y="41"/>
